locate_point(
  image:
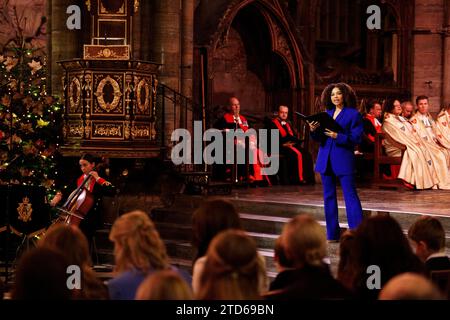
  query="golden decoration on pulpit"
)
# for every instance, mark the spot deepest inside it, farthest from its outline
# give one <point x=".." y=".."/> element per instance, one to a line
<point x="140" y="131"/>
<point x="126" y="130"/>
<point x="107" y="130"/>
<point x="143" y="96"/>
<point x="74" y="95"/>
<point x="24" y="210"/>
<point x="108" y="105"/>
<point x="75" y="130"/>
<point x="113" y="7"/>
<point x="88" y="4"/>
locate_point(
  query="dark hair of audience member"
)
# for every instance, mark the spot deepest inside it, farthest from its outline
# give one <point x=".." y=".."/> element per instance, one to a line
<point x="72" y="243"/>
<point x="212" y="217"/>
<point x="41" y="275"/>
<point x="380" y="241"/>
<point x="346" y="265"/>
<point x="280" y="255"/>
<point x="429" y="230"/>
<point x="164" y="285"/>
<point x="233" y="268"/>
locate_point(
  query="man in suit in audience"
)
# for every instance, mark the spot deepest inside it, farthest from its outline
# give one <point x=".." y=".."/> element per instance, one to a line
<point x="428" y="238"/>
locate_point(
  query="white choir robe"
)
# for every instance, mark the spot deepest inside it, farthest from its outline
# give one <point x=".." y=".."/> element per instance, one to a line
<point x="417" y="165"/>
<point x="443" y="128"/>
<point x="439" y="154"/>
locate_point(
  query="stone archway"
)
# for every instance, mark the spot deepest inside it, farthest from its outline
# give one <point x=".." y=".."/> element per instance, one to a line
<point x="252" y="52"/>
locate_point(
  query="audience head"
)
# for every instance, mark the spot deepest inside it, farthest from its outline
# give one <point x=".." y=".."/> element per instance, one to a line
<point x="304" y="242"/>
<point x="374" y="108"/>
<point x="280" y="258"/>
<point x="422" y="104"/>
<point x="137" y="244"/>
<point x="346" y="266"/>
<point x="233" y="268"/>
<point x="410" y="286"/>
<point x="283" y="112"/>
<point x="41" y="275"/>
<point x="379" y="240"/>
<point x="427" y="236"/>
<point x="73" y="245"/>
<point x="68" y="240"/>
<point x="164" y="285"/>
<point x="407" y="109"/>
<point x="209" y="219"/>
<point x="348" y="95"/>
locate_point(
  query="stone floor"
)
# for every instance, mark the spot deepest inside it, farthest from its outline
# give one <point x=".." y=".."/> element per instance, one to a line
<point x="429" y="202"/>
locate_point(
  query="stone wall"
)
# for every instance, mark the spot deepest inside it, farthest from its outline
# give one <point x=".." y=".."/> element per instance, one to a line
<point x="428" y="51"/>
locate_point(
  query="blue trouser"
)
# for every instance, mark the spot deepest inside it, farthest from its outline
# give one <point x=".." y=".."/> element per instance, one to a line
<point x="352" y="203"/>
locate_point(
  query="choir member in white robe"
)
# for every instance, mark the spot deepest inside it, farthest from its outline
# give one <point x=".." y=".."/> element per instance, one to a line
<point x="417" y="165"/>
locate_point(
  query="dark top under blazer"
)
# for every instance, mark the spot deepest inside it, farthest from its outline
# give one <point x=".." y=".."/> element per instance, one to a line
<point x="340" y="151"/>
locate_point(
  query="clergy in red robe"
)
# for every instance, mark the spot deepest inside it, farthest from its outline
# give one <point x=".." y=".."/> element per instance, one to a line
<point x="296" y="166"/>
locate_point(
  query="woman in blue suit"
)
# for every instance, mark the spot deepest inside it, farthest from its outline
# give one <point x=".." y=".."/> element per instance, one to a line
<point x="336" y="157"/>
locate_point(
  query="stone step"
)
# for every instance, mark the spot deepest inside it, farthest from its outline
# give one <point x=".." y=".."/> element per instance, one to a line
<point x="185" y="251"/>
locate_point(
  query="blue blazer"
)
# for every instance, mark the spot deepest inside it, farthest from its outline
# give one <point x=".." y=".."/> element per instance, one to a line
<point x="340" y="151"/>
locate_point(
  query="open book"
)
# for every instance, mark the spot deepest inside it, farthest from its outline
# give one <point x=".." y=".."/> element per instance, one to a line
<point x="324" y="119"/>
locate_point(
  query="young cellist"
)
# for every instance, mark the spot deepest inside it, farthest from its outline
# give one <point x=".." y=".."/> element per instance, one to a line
<point x="94" y="184"/>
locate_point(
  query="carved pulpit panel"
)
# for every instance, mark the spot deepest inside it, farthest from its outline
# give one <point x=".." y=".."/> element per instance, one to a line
<point x="110" y="99"/>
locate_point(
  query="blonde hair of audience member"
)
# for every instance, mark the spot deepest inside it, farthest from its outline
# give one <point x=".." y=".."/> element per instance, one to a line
<point x="73" y="245"/>
<point x="409" y="286"/>
<point x="233" y="268"/>
<point x="164" y="285"/>
<point x="304" y="241"/>
<point x="137" y="244"/>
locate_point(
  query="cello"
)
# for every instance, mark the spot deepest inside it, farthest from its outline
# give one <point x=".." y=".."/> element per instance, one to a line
<point x="78" y="204"/>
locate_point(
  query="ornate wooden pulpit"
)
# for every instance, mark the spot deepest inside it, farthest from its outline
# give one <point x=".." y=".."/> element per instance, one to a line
<point x="110" y="99"/>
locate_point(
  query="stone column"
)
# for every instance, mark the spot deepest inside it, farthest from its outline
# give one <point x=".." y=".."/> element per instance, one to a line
<point x="166" y="50"/>
<point x="446" y="54"/>
<point x="63" y="43"/>
<point x="428" y="50"/>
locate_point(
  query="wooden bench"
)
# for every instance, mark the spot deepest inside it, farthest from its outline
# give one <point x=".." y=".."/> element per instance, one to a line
<point x="380" y="157"/>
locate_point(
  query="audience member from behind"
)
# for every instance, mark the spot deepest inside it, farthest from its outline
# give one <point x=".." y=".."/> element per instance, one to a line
<point x="305" y="245"/>
<point x="41" y="275"/>
<point x="346" y="266"/>
<point x="164" y="285"/>
<point x="212" y="217"/>
<point x="138" y="252"/>
<point x="282" y="264"/>
<point x="233" y="269"/>
<point x="73" y="245"/>
<point x="380" y="241"/>
<point x="407" y="109"/>
<point x="410" y="286"/>
<point x="428" y="240"/>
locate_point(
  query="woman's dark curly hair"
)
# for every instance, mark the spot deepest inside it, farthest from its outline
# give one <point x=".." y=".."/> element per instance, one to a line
<point x="347" y="91"/>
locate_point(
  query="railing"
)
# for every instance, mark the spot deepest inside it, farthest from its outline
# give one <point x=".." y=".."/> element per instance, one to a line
<point x="184" y="113"/>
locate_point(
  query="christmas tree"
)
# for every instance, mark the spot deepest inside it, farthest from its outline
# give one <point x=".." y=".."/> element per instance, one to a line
<point x="30" y="121"/>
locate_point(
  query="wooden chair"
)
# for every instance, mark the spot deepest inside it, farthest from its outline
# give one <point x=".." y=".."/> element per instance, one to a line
<point x="381" y="158"/>
<point x="442" y="279"/>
